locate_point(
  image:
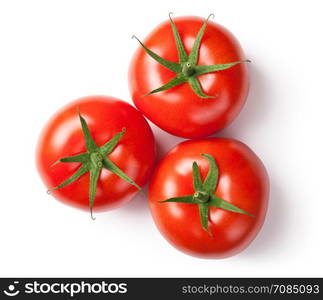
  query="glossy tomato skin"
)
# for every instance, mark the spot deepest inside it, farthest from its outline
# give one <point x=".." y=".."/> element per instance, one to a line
<point x="243" y="181"/>
<point x="105" y="116"/>
<point x="179" y="110"/>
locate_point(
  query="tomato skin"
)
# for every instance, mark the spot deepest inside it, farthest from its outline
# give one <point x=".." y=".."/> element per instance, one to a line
<point x="179" y="110"/>
<point x="63" y="136"/>
<point x="243" y="181"/>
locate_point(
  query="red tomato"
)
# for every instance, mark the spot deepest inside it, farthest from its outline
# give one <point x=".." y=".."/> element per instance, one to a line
<point x="242" y="182"/>
<point x="179" y="110"/>
<point x="63" y="137"/>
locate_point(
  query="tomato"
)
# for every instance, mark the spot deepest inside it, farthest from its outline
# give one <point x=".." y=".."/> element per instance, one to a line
<point x="234" y="210"/>
<point x="210" y="87"/>
<point x="107" y="121"/>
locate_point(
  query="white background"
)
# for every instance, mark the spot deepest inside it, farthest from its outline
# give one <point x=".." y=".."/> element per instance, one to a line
<point x="53" y="52"/>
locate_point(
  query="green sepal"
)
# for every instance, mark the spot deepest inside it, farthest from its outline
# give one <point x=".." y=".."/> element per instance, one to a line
<point x="204" y="215"/>
<point x="196" y="87"/>
<point x="184" y="199"/>
<point x="179" y="44"/>
<point x="109" y="165"/>
<point x="194" y="55"/>
<point x="220" y="203"/>
<point x="177" y="80"/>
<point x="89" y="142"/>
<point x="94" y="177"/>
<point x="170" y="65"/>
<point x="81" y="158"/>
<point x="108" y="147"/>
<point x="211" y="179"/>
<point x="80" y="171"/>
<point x="197" y="181"/>
<point x="201" y="69"/>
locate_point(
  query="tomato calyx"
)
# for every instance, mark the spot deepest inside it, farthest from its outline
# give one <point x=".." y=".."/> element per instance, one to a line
<point x="93" y="161"/>
<point x="187" y="69"/>
<point x="204" y="195"/>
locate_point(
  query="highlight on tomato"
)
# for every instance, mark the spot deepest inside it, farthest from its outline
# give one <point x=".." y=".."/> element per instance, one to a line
<point x="209" y="197"/>
<point x="96" y="153"/>
<point x="189" y="77"/>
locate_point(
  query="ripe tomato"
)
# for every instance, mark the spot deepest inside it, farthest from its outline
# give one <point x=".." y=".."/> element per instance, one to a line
<point x="131" y="154"/>
<point x="184" y="108"/>
<point x="235" y="209"/>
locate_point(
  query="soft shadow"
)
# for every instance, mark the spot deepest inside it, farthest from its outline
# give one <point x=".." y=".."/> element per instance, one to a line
<point x="271" y="238"/>
<point x="164" y="141"/>
<point x="256" y="114"/>
<point x="256" y="110"/>
<point x="138" y="205"/>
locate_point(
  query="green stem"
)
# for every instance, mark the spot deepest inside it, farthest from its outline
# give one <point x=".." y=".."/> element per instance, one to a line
<point x="187" y="68"/>
<point x="204" y="195"/>
<point x="92" y="161"/>
<point x="201" y="196"/>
